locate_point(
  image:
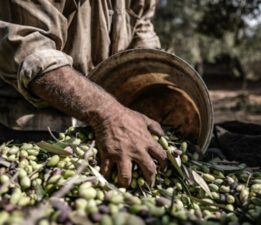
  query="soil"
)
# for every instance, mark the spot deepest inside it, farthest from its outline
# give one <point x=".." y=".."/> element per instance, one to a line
<point x="234" y="100"/>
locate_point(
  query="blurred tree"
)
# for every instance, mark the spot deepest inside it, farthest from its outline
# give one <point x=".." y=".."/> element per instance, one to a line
<point x="250" y="48"/>
<point x="176" y="22"/>
<point x="223" y="16"/>
<point x="198" y="30"/>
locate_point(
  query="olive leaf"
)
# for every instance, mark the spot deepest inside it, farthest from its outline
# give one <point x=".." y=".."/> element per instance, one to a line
<point x="222" y="165"/>
<point x="189" y="177"/>
<point x="80" y="179"/>
<point x="101" y="179"/>
<point x="175" y="161"/>
<point x="222" y="206"/>
<point x="201" y="182"/>
<point x="56" y="148"/>
<point x="227" y="167"/>
<point x="165" y="193"/>
<point x="257" y="200"/>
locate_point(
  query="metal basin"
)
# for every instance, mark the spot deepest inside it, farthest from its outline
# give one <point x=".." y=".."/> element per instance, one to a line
<point x="162" y="86"/>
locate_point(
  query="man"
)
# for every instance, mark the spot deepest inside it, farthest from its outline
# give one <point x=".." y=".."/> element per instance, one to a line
<point x="47" y="49"/>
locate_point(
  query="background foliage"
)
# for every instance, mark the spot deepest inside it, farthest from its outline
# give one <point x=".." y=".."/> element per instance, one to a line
<point x="203" y="30"/>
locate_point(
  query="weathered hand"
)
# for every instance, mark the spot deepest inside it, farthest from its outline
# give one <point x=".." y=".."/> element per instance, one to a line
<point x="123" y="138"/>
<point x="122" y="134"/>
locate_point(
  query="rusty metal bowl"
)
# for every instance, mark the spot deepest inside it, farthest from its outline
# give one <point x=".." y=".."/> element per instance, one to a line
<point x="162" y="86"/>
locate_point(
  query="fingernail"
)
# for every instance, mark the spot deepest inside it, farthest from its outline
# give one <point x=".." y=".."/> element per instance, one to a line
<point x="153" y="181"/>
<point x="124" y="182"/>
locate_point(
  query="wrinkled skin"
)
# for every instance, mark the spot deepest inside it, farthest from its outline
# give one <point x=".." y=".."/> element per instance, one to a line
<point x="125" y="139"/>
<point x="122" y="135"/>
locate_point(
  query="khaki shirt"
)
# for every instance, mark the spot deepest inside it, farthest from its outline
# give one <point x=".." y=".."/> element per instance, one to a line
<point x="37" y="36"/>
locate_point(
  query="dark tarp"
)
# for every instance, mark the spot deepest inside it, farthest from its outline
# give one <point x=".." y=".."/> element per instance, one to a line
<point x="239" y="141"/>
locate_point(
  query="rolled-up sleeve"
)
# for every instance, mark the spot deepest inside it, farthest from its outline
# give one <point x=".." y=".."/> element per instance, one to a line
<point x="32" y="35"/>
<point x="144" y="35"/>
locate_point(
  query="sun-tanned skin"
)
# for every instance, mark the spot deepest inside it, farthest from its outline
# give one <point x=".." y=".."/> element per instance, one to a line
<point x="122" y="135"/>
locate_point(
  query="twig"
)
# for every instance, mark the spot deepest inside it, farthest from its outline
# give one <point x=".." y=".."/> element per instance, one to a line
<point x="53" y="136"/>
<point x="248" y="179"/>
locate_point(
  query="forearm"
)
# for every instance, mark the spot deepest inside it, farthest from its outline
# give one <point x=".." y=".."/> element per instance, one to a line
<point x="74" y="94"/>
<point x="122" y="135"/>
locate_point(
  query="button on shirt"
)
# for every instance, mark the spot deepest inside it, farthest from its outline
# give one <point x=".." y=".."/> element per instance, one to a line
<point x="37" y="36"/>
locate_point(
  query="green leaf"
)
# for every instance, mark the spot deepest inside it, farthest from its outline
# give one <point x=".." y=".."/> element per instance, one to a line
<point x="256" y="200"/>
<point x="222" y="165"/>
<point x="201" y="182"/>
<point x="175" y="162"/>
<point x="189" y="177"/>
<point x="222" y="206"/>
<point x="227" y="167"/>
<point x="165" y="193"/>
<point x="102" y="180"/>
<point x="59" y="149"/>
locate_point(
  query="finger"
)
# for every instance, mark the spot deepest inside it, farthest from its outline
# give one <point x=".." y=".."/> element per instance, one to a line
<point x="106" y="167"/>
<point x="158" y="153"/>
<point x="154" y="127"/>
<point x="148" y="168"/>
<point x="124" y="172"/>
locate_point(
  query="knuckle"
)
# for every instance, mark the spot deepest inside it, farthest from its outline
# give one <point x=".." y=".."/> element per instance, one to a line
<point x="125" y="176"/>
<point x="164" y="155"/>
<point x="138" y="155"/>
<point x="159" y="151"/>
<point x="162" y="152"/>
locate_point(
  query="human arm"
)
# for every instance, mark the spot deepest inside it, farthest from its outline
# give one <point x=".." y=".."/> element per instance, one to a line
<point x="33" y="63"/>
<point x="122" y="135"/>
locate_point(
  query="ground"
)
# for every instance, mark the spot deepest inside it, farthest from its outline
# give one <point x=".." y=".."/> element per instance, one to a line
<point x="231" y="101"/>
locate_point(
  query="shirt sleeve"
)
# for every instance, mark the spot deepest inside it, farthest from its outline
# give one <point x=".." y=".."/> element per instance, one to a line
<point x="144" y="35"/>
<point x="32" y="35"/>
